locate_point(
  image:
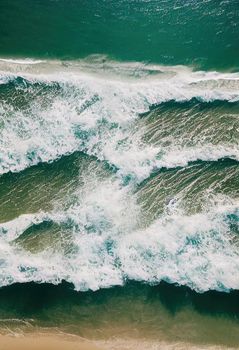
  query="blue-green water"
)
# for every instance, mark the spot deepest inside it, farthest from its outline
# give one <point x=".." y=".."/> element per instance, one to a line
<point x="200" y="33"/>
<point x="119" y="177"/>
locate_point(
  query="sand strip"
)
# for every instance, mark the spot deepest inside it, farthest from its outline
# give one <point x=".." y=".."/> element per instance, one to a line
<point x="45" y="342"/>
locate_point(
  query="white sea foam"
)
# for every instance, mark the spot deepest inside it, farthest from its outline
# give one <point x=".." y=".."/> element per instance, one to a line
<point x="109" y="244"/>
<point x="95" y="111"/>
<point x="25" y="61"/>
<point x="94" y="108"/>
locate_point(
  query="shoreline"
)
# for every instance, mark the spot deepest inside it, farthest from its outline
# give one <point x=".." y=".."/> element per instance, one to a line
<point x="61" y="341"/>
<point x="136" y="316"/>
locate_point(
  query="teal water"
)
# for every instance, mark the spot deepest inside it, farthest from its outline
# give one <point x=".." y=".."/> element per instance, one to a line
<point x="199" y="33"/>
<point x="119" y="177"/>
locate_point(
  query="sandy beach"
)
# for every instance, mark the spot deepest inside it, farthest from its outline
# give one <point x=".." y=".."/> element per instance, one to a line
<point x="41" y="341"/>
<point x="46" y="342"/>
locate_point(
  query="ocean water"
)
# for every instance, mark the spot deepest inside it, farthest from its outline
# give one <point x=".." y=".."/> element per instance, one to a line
<point x="119" y="176"/>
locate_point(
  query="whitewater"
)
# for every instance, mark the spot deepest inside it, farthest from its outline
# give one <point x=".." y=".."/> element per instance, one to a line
<point x="135" y="130"/>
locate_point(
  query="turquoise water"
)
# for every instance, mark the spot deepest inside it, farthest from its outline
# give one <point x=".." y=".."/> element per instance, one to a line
<point x="199" y="33"/>
<point x="119" y="177"/>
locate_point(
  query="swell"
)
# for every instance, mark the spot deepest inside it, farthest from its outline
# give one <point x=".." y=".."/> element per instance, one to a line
<point x="51" y="109"/>
<point x="93" y="248"/>
<point x="190" y="188"/>
<point x="83" y="213"/>
<point x="94" y="245"/>
<point x="38" y="188"/>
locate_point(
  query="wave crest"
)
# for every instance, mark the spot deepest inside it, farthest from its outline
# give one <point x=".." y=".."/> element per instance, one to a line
<point x="50" y="109"/>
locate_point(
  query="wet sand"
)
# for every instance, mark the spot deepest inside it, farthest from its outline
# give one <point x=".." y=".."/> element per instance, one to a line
<point x="45" y="342"/>
<point x="67" y="342"/>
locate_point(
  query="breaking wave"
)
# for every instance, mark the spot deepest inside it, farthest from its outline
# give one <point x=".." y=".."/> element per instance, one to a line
<point x="50" y="108"/>
<point x="100" y="241"/>
<point x="137" y="119"/>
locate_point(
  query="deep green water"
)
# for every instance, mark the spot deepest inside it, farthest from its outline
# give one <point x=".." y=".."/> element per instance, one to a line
<point x="119" y="176"/>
